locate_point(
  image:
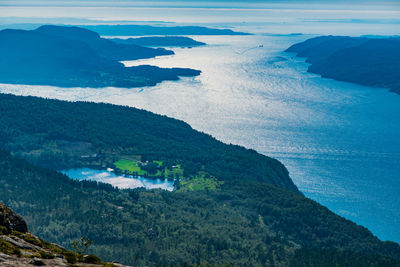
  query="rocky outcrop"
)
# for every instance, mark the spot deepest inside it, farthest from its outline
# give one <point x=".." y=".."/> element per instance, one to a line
<point x="10" y="221"/>
<point x="18" y="247"/>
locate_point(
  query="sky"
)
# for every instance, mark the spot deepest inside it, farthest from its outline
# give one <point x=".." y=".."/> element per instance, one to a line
<point x="192" y="3"/>
<point x="11" y="11"/>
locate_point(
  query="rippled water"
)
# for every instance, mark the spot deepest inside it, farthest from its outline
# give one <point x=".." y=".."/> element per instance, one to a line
<point x="340" y="141"/>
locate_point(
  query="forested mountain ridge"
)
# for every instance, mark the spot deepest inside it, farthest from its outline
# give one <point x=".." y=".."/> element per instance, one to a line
<point x="252" y="219"/>
<point x="366" y="61"/>
<point x="143" y="30"/>
<point x="59" y="135"/>
<point x="104" y="47"/>
<point x="243" y="224"/>
<point x="30" y="57"/>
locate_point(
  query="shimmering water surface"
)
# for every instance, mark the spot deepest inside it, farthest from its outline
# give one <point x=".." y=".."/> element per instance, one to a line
<point x="340" y="141"/>
<point x="120" y="181"/>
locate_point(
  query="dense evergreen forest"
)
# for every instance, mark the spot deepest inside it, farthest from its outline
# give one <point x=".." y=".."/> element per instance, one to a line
<point x="366" y="61"/>
<point x="59" y="135"/>
<point x="18" y="247"/>
<point x="75" y="57"/>
<point x="104" y="47"/>
<point x="256" y="217"/>
<point x="245" y="224"/>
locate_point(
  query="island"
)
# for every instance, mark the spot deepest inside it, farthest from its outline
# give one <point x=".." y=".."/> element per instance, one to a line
<point x="251" y="215"/>
<point x="367" y="61"/>
<point x="161" y="41"/>
<point x="104" y="47"/>
<point x="74" y="57"/>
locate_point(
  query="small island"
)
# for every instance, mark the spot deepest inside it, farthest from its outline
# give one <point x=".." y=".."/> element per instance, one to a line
<point x="366" y="61"/>
<point x="75" y="57"/>
<point x="161" y="41"/>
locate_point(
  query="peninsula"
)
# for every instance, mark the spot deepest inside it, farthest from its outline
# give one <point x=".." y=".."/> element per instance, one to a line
<point x="74" y="57"/>
<point x="366" y="61"/>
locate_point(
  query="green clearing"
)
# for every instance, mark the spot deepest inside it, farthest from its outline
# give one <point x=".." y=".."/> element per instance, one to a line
<point x="174" y="173"/>
<point x="202" y="181"/>
<point x="129" y="166"/>
<point x="132" y="165"/>
<point x="159" y="162"/>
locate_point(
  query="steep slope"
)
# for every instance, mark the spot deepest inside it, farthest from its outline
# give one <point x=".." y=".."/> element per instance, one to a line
<point x="18" y="247"/>
<point x="10" y="221"/>
<point x="245" y="224"/>
<point x="104" y="47"/>
<point x="324" y="46"/>
<point x="57" y="134"/>
<point x="30" y="57"/>
<point x="252" y="219"/>
<point x="371" y="62"/>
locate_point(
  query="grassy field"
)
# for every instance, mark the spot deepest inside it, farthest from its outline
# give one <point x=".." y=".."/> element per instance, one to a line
<point x="174" y="173"/>
<point x="129" y="166"/>
<point x="202" y="181"/>
<point x="159" y="162"/>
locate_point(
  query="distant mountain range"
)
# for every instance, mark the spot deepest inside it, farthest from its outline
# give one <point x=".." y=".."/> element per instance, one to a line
<point x="76" y="57"/>
<point x="142" y="30"/>
<point x="366" y="61"/>
<point x="124" y="29"/>
<point x="104" y="47"/>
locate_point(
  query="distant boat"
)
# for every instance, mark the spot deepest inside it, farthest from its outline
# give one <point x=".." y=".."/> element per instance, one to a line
<point x="251" y="48"/>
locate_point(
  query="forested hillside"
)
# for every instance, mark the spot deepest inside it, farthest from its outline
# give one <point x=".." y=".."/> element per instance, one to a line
<point x="104" y="47"/>
<point x="59" y="135"/>
<point x="366" y="61"/>
<point x="243" y="223"/>
<point x="18" y="247"/>
<point x="256" y="216"/>
<point x="80" y="59"/>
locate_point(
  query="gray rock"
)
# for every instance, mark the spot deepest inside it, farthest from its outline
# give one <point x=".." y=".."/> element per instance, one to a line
<point x="37" y="262"/>
<point x="18" y="242"/>
<point x="11" y="221"/>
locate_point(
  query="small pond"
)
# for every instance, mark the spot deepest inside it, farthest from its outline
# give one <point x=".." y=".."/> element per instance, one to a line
<point x="120" y="181"/>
